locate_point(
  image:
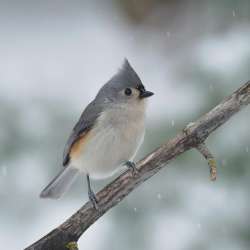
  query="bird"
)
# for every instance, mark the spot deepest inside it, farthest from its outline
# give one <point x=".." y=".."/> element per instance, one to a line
<point x="107" y="136"/>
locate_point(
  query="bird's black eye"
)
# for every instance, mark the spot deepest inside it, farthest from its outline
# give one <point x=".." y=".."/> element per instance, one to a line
<point x="128" y="91"/>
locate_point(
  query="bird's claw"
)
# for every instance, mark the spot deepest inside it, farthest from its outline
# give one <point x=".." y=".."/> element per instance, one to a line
<point x="93" y="199"/>
<point x="131" y="165"/>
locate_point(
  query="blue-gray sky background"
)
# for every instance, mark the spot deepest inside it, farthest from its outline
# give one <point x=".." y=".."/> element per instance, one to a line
<point x="55" y="55"/>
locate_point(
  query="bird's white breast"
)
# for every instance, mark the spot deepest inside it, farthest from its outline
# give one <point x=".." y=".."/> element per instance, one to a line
<point x="115" y="138"/>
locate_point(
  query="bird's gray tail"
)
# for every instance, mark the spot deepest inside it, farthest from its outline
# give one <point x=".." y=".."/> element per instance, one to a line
<point x="60" y="184"/>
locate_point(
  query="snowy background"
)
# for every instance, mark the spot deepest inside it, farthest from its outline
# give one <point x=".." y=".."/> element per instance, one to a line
<point x="55" y="55"/>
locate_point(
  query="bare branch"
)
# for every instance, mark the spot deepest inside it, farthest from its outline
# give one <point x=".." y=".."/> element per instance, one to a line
<point x="68" y="233"/>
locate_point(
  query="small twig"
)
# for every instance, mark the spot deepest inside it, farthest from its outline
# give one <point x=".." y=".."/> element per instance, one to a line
<point x="203" y="149"/>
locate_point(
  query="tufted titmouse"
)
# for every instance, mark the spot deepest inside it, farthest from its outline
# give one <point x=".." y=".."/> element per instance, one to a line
<point x="107" y="135"/>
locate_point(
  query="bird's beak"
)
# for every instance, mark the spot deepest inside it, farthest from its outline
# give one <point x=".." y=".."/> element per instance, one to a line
<point x="145" y="94"/>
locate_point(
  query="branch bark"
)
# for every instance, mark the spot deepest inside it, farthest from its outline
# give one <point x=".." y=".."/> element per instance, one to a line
<point x="67" y="234"/>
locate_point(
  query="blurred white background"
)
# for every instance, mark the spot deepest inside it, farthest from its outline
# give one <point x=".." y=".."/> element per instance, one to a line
<point x="55" y="55"/>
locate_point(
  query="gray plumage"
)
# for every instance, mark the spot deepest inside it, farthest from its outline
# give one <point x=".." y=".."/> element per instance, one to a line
<point x="125" y="77"/>
<point x="60" y="184"/>
<point x="85" y="123"/>
<point x="114" y="122"/>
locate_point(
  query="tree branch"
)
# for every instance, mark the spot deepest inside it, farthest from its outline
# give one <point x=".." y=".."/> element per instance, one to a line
<point x="67" y="234"/>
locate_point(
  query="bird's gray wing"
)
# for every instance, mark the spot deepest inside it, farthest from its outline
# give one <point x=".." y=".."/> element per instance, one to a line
<point x="85" y="123"/>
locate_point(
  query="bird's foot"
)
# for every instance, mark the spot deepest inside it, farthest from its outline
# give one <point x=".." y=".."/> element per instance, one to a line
<point x="131" y="165"/>
<point x="93" y="199"/>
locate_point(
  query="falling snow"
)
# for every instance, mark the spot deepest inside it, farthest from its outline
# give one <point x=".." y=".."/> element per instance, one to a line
<point x="172" y="123"/>
<point x="159" y="196"/>
<point x="247" y="149"/>
<point x="135" y="209"/>
<point x="233" y="13"/>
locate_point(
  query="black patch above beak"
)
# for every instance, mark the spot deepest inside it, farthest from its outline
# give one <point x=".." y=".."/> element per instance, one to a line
<point x="145" y="94"/>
